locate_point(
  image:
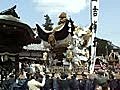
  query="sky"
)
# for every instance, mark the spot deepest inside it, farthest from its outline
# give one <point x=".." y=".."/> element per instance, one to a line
<point x="33" y="11"/>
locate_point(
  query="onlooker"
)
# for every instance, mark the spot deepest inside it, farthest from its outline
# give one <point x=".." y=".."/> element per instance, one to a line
<point x="35" y="85"/>
<point x="74" y="83"/>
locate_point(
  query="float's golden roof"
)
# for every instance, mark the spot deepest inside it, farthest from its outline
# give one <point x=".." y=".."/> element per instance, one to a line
<point x="63" y="15"/>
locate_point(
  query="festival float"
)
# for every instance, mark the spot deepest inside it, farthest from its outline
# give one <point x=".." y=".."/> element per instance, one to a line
<point x="64" y="46"/>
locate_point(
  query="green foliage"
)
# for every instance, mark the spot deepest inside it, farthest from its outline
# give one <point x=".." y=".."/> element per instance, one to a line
<point x="48" y="24"/>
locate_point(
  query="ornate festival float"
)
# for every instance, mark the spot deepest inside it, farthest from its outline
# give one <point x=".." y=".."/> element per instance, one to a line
<point x="67" y="44"/>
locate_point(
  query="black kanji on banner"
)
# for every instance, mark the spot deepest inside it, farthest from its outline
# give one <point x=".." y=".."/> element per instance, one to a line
<point x="95" y="25"/>
<point x="95" y="10"/>
<point x="94" y="0"/>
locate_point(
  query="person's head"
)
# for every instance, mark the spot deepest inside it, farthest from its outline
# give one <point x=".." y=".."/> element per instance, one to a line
<point x="74" y="75"/>
<point x="112" y="51"/>
<point x="84" y="76"/>
<point x="32" y="77"/>
<point x="47" y="76"/>
<point x="63" y="76"/>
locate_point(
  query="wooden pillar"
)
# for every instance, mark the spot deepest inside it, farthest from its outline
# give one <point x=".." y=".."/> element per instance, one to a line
<point x="16" y="65"/>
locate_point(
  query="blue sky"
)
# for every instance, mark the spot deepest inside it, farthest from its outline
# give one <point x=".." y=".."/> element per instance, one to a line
<point x="33" y="11"/>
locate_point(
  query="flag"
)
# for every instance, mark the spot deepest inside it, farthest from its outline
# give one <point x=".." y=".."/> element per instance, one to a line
<point x="94" y="21"/>
<point x="95" y="13"/>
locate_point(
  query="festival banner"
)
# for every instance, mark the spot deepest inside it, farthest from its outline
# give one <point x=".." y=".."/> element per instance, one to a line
<point x="94" y="20"/>
<point x="95" y="13"/>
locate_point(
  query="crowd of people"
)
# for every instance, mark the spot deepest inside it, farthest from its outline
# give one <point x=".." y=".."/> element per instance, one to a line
<point x="61" y="81"/>
<point x="32" y="77"/>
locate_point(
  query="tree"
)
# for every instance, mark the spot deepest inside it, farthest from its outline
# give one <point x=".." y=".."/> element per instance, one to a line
<point x="48" y="24"/>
